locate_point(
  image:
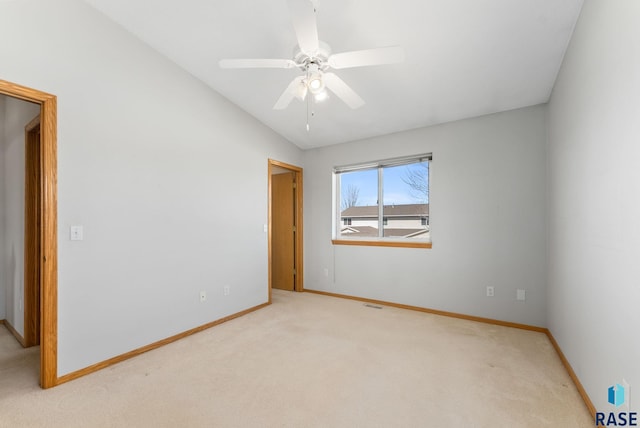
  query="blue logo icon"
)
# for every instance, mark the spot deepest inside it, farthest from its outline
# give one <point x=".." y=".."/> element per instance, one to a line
<point x="616" y="395"/>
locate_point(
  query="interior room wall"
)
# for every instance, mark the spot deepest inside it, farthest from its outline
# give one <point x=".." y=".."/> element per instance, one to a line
<point x="487" y="216"/>
<point x="594" y="233"/>
<point x="18" y="113"/>
<point x="167" y="178"/>
<point x="2" y="215"/>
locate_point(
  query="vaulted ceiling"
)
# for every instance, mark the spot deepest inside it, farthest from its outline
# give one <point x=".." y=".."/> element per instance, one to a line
<point x="463" y="58"/>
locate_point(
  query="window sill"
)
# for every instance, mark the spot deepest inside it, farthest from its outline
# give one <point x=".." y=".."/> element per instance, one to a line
<point x="381" y="243"/>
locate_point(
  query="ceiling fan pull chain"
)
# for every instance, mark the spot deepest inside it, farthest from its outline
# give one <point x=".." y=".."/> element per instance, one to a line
<point x="308" y="100"/>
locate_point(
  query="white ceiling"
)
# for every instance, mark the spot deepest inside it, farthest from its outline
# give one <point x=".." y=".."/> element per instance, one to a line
<point x="464" y="58"/>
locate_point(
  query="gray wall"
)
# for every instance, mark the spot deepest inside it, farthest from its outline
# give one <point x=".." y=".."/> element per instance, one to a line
<point x="158" y="169"/>
<point x="487" y="214"/>
<point x="17" y="114"/>
<point x="594" y="232"/>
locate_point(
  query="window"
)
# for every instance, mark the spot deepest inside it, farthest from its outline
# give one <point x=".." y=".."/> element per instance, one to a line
<point x="402" y="219"/>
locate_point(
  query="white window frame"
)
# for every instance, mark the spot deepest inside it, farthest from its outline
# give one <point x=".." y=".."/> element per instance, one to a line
<point x="338" y="239"/>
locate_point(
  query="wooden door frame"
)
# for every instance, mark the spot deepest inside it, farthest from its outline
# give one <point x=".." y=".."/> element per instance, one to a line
<point x="49" y="231"/>
<point x="32" y="232"/>
<point x="299" y="263"/>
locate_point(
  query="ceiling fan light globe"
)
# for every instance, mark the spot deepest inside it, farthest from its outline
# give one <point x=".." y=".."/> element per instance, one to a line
<point x="321" y="96"/>
<point x="301" y="91"/>
<point x="315" y="84"/>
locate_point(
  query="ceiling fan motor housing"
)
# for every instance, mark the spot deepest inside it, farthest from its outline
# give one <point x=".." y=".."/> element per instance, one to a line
<point x="320" y="59"/>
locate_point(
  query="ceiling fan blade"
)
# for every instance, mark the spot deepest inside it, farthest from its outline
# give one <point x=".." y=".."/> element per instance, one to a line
<point x="378" y="56"/>
<point x="256" y="63"/>
<point x="303" y="14"/>
<point x="294" y="90"/>
<point x="342" y="90"/>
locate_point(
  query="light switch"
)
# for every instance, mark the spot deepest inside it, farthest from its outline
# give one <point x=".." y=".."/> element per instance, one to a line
<point x="77" y="233"/>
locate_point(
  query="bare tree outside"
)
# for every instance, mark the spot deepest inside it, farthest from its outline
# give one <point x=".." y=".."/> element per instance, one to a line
<point x="350" y="196"/>
<point x="416" y="176"/>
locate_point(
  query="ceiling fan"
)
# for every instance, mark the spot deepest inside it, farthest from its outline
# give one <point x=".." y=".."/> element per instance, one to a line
<point x="314" y="58"/>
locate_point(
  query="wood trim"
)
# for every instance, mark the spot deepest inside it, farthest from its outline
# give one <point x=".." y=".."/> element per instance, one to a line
<point x="572" y="375"/>
<point x="32" y="232"/>
<point x="49" y="250"/>
<point x="269" y="225"/>
<point x="49" y="235"/>
<point x="34" y="123"/>
<point x="22" y="92"/>
<point x="299" y="280"/>
<point x="284" y="165"/>
<point x="118" y="359"/>
<point x="381" y="243"/>
<point x="434" y="311"/>
<point x="15" y="333"/>
<point x="299" y="232"/>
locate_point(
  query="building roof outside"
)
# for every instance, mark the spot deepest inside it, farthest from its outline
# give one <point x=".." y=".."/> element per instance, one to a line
<point x="368" y="231"/>
<point x="406" y="210"/>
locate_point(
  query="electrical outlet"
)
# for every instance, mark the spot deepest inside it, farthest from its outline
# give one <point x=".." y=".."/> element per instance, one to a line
<point x="326" y="272"/>
<point x="490" y="291"/>
<point x="226" y="290"/>
<point x="520" y="294"/>
<point x="203" y="296"/>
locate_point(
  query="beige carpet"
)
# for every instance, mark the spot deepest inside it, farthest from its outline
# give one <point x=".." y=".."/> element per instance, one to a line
<point x="311" y="361"/>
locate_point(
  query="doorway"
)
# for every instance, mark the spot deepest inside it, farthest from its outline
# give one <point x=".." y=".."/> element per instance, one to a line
<point x="285" y="227"/>
<point x="41" y="161"/>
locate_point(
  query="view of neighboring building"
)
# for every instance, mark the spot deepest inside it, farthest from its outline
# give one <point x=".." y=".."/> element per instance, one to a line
<point x="399" y="221"/>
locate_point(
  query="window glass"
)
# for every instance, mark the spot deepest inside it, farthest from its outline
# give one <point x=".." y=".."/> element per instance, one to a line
<point x="359" y="203"/>
<point x="406" y="197"/>
<point x="403" y="186"/>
